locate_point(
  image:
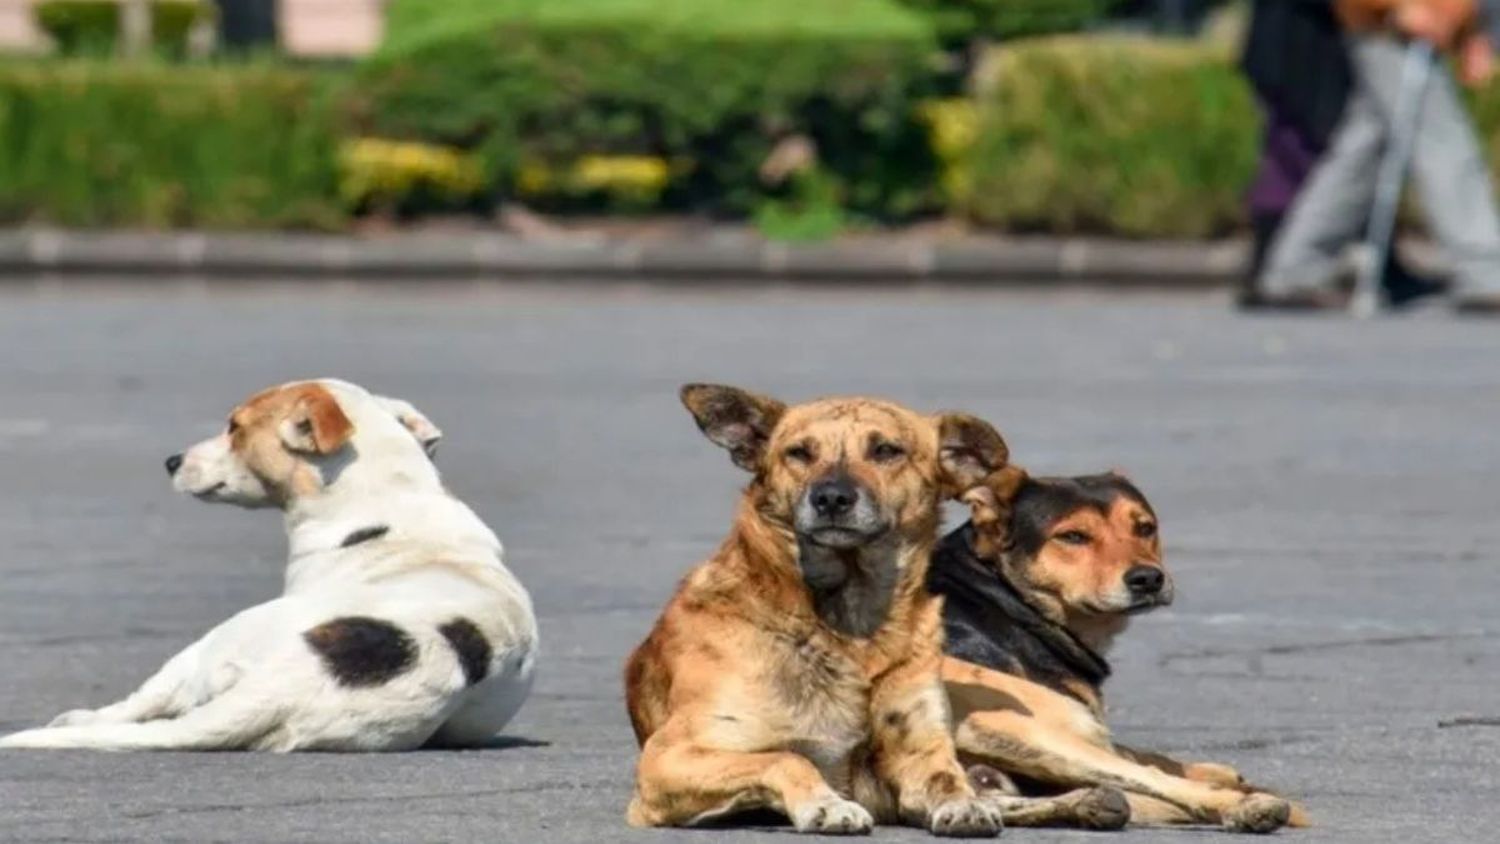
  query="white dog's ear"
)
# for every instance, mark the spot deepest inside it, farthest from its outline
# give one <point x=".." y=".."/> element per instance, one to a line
<point x="427" y="433"/>
<point x="316" y="424"/>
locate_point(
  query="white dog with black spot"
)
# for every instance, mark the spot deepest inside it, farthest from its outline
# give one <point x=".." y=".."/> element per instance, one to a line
<point x="400" y="626"/>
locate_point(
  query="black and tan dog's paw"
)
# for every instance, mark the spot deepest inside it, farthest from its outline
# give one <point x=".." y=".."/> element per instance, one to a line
<point x="1102" y="808"/>
<point x="985" y="779"/>
<point x="966" y="817"/>
<point x="1258" y="813"/>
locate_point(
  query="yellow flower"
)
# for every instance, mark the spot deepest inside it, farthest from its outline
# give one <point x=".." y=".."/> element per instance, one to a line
<point x="376" y="169"/>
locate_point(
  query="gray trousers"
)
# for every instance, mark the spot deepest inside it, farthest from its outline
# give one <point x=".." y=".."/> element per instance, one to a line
<point x="1451" y="177"/>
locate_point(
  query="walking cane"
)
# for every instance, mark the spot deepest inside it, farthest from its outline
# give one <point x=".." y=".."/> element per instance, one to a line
<point x="1416" y="71"/>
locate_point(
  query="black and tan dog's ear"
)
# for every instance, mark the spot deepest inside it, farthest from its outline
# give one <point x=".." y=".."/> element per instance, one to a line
<point x="734" y="419"/>
<point x="991" y="504"/>
<point x="969" y="449"/>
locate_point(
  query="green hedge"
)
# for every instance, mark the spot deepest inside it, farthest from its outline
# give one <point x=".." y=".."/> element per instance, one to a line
<point x="708" y="87"/>
<point x="93" y="26"/>
<point x="960" y="21"/>
<point x="91" y="143"/>
<point x="1115" y="136"/>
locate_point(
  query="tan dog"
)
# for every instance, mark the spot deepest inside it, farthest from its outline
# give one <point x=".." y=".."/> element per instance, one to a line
<point x="1036" y="589"/>
<point x="797" y="669"/>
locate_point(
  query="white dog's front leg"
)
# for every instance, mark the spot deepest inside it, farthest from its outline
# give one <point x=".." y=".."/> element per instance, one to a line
<point x="177" y="687"/>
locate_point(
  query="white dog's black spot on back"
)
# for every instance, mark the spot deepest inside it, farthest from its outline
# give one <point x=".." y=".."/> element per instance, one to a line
<point x="472" y="648"/>
<point x="365" y="535"/>
<point x="360" y="651"/>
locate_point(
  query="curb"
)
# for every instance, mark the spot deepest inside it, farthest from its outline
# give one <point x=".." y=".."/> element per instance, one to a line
<point x="713" y="257"/>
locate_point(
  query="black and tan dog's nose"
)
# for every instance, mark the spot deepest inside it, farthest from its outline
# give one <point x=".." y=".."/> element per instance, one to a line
<point x="1144" y="580"/>
<point x="173" y="464"/>
<point x="834" y="498"/>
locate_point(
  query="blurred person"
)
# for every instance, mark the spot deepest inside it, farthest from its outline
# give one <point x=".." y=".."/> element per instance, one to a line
<point x="1295" y="60"/>
<point x="1453" y="182"/>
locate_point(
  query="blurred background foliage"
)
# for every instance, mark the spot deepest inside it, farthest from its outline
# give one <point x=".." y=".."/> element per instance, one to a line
<point x="803" y="117"/>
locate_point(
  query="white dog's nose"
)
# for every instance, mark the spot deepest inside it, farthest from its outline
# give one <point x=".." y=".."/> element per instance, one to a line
<point x="173" y="464"/>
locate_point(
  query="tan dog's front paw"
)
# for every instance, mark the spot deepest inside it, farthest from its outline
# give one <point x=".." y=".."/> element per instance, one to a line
<point x="1258" y="813"/>
<point x="966" y="817"/>
<point x="832" y="815"/>
<point x="1214" y="774"/>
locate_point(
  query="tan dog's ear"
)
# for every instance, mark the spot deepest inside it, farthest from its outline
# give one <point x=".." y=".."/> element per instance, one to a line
<point x="316" y="425"/>
<point x="426" y="433"/>
<point x="734" y="419"/>
<point x="969" y="449"/>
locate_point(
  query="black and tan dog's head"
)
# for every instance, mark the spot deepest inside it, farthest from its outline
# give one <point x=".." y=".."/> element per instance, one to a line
<point x="1084" y="548"/>
<point x="845" y="474"/>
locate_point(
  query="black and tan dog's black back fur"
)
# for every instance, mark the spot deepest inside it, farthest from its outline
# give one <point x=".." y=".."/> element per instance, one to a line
<point x="1035" y="589"/>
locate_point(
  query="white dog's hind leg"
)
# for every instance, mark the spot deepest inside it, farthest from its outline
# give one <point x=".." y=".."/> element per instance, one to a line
<point x="235" y="721"/>
<point x="171" y="691"/>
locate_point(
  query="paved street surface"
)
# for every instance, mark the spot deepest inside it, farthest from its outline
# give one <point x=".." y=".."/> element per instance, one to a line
<point x="1327" y="491"/>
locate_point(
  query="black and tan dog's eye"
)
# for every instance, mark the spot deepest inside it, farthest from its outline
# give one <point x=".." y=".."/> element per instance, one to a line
<point x="1145" y="530"/>
<point x="885" y="452"/>
<point x="799" y="454"/>
<point x="1073" y="537"/>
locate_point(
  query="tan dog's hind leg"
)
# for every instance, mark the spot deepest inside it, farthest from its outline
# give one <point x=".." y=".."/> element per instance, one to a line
<point x="1212" y="773"/>
<point x="1037" y="749"/>
<point x="680" y="784"/>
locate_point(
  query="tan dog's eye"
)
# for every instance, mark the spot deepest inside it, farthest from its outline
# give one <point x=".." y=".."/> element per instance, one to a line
<point x="1145" y="530"/>
<point x="885" y="452"/>
<point x="799" y="454"/>
<point x="233" y="427"/>
<point x="1073" y="537"/>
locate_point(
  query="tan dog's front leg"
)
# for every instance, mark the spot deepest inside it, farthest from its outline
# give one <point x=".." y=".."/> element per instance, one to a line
<point x="1036" y="749"/>
<point x="914" y="754"/>
<point x="680" y="783"/>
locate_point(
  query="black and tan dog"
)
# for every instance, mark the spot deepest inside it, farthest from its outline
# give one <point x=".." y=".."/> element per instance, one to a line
<point x="797" y="670"/>
<point x="1036" y="587"/>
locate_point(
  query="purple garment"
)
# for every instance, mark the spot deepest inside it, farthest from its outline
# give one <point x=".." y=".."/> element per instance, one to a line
<point x="1286" y="159"/>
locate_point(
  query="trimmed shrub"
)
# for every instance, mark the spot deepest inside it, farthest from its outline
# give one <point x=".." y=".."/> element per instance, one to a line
<point x="960" y="21"/>
<point x="1113" y="136"/>
<point x="94" y="143"/>
<point x="93" y="26"/>
<point x="709" y="87"/>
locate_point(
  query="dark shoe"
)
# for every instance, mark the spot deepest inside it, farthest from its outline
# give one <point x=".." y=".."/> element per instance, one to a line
<point x="1404" y="288"/>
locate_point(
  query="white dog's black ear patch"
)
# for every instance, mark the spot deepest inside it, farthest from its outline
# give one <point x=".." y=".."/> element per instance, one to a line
<point x="360" y="651"/>
<point x="472" y="648"/>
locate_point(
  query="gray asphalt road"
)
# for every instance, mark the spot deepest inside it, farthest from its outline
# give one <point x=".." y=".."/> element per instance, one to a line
<point x="1326" y="488"/>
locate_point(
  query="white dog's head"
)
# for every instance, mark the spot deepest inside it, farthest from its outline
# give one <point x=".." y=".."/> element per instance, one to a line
<point x="295" y="440"/>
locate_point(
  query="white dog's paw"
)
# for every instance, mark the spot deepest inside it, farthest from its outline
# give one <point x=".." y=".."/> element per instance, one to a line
<point x="74" y="718"/>
<point x="832" y="815"/>
<point x="967" y="817"/>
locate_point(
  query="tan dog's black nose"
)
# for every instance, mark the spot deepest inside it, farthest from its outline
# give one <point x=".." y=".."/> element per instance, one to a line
<point x="834" y="498"/>
<point x="1144" y="580"/>
<point x="173" y="464"/>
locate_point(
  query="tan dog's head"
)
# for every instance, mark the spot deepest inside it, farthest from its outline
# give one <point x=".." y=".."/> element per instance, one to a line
<point x="1083" y="548"/>
<point x="292" y="441"/>
<point x="842" y="473"/>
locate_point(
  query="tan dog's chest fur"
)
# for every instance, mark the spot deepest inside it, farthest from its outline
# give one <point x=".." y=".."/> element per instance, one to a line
<point x="801" y="676"/>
